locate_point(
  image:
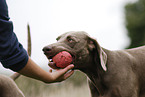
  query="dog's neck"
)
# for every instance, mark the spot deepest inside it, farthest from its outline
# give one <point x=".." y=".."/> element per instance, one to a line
<point x="96" y="79"/>
<point x="96" y="74"/>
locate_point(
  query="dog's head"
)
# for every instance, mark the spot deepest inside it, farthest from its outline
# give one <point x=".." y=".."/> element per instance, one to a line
<point x="84" y="50"/>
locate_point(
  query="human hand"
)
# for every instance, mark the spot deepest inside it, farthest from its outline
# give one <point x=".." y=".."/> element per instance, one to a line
<point x="61" y="74"/>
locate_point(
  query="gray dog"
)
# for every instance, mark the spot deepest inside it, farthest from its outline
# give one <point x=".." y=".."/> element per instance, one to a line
<point x="8" y="87"/>
<point x="111" y="73"/>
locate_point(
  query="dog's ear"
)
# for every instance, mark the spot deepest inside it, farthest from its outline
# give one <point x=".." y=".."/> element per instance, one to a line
<point x="93" y="45"/>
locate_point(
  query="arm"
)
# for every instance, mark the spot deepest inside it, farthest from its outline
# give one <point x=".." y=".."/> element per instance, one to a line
<point x="14" y="56"/>
<point x="34" y="71"/>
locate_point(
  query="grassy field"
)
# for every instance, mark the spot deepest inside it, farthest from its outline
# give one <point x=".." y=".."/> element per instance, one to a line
<point x="75" y="86"/>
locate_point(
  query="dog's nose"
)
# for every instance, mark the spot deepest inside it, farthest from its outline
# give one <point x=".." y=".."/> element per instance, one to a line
<point x="47" y="49"/>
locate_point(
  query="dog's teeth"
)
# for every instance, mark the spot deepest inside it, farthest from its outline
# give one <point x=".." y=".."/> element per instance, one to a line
<point x="50" y="60"/>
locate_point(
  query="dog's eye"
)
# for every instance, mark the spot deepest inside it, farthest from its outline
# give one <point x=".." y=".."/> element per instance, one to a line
<point x="70" y="40"/>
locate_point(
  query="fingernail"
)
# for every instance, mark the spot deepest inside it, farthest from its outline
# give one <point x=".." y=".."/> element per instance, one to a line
<point x="71" y="65"/>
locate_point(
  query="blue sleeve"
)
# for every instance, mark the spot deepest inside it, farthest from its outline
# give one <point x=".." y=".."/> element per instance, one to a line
<point x="12" y="53"/>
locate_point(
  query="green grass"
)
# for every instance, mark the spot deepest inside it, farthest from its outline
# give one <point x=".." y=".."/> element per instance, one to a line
<point x="75" y="86"/>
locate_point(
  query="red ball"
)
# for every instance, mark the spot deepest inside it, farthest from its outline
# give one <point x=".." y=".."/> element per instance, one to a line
<point x="62" y="59"/>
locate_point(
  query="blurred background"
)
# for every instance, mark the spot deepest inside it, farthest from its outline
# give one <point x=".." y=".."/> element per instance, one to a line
<point x="116" y="24"/>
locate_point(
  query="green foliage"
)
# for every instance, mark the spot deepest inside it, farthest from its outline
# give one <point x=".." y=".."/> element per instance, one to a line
<point x="135" y="22"/>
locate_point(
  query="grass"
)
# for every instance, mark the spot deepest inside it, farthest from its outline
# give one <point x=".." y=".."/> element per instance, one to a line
<point x="75" y="86"/>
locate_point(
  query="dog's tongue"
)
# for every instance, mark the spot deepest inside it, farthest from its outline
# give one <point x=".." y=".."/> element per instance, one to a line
<point x="52" y="65"/>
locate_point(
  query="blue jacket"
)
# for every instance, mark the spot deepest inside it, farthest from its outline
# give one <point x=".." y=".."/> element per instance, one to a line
<point x="12" y="53"/>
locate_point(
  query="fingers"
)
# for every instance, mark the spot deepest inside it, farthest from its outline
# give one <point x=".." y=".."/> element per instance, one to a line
<point x="67" y="75"/>
<point x="62" y="74"/>
<point x="66" y="69"/>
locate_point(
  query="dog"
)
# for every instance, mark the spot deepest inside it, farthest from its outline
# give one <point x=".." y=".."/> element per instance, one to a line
<point x="8" y="87"/>
<point x="119" y="73"/>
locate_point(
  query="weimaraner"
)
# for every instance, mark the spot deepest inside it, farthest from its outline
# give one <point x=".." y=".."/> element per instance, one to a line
<point x="8" y="87"/>
<point x="119" y="73"/>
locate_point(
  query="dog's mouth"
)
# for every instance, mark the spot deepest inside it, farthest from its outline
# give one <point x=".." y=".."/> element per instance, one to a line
<point x="52" y="64"/>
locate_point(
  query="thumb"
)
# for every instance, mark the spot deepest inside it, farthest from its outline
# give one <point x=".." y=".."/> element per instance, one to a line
<point x="66" y="69"/>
